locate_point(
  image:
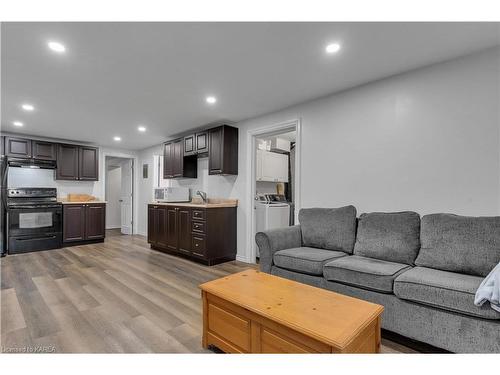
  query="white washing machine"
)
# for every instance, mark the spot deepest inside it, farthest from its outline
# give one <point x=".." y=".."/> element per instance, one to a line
<point x="271" y="212"/>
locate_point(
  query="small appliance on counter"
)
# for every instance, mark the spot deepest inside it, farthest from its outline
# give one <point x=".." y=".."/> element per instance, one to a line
<point x="34" y="220"/>
<point x="171" y="194"/>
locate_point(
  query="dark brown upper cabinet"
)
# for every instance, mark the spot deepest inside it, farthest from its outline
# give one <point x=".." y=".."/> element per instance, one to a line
<point x="67" y="162"/>
<point x="201" y="141"/>
<point x="175" y="164"/>
<point x="18" y="147"/>
<point x="43" y="150"/>
<point x="196" y="144"/>
<point x="88" y="163"/>
<point x="223" y="150"/>
<point x="77" y="163"/>
<point x="189" y="145"/>
<point x="168" y="160"/>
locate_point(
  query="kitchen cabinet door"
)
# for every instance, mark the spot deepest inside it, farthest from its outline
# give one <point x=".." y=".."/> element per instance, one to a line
<point x="271" y="166"/>
<point x="18" y="147"/>
<point x="73" y="222"/>
<point x="152" y="231"/>
<point x="201" y="140"/>
<point x="223" y="150"/>
<point x="282" y="167"/>
<point x="95" y="221"/>
<point x="43" y="150"/>
<point x="161" y="226"/>
<point x="88" y="163"/>
<point x="184" y="230"/>
<point x="189" y="145"/>
<point x="178" y="158"/>
<point x="172" y="225"/>
<point x="168" y="160"/>
<point x="215" y="151"/>
<point x="67" y="162"/>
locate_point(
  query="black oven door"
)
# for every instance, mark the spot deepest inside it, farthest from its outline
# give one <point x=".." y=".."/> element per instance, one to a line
<point x="32" y="228"/>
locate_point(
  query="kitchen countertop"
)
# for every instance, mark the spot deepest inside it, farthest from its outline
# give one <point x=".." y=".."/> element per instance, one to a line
<point x="197" y="203"/>
<point x="63" y="201"/>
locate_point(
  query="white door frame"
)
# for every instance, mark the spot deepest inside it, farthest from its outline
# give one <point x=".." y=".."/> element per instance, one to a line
<point x="281" y="127"/>
<point x="135" y="183"/>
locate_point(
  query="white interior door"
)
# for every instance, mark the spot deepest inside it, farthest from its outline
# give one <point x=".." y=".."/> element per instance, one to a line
<point x="126" y="197"/>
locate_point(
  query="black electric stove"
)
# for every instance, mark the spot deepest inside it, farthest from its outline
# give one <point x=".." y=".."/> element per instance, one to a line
<point x="34" y="220"/>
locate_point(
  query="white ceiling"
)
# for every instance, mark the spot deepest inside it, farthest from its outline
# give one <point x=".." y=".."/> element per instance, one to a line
<point x="115" y="76"/>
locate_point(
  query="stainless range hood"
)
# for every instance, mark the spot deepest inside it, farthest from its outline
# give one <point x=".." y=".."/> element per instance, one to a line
<point x="31" y="163"/>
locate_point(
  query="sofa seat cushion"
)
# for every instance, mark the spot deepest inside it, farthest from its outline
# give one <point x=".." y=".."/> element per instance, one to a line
<point x="366" y="273"/>
<point x="462" y="244"/>
<point x="307" y="260"/>
<point x="442" y="289"/>
<point x="390" y="236"/>
<point x="329" y="228"/>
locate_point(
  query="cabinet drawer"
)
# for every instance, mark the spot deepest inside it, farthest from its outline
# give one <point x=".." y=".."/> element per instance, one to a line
<point x="229" y="326"/>
<point x="274" y="343"/>
<point x="198" y="214"/>
<point x="198" y="245"/>
<point x="198" y="227"/>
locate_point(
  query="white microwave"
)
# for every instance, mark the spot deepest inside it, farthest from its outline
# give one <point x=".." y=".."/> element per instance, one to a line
<point x="171" y="194"/>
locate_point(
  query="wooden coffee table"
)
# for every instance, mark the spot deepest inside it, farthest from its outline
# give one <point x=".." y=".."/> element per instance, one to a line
<point x="254" y="312"/>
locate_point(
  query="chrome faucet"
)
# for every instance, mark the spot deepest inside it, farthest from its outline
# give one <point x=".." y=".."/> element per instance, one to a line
<point x="203" y="196"/>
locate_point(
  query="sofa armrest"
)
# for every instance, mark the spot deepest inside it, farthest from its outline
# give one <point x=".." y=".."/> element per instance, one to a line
<point x="276" y="239"/>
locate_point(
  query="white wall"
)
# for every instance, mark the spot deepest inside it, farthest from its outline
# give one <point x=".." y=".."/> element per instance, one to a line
<point x="427" y="140"/>
<point x="113" y="194"/>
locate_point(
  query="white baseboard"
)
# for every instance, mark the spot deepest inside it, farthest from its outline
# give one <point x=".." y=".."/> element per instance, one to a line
<point x="244" y="259"/>
<point x="113" y="226"/>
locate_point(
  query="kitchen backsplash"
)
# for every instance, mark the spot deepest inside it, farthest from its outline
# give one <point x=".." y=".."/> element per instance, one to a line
<point x="26" y="177"/>
<point x="214" y="186"/>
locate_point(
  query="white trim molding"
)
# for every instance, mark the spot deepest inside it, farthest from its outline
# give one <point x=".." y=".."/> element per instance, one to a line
<point x="290" y="125"/>
<point x="135" y="177"/>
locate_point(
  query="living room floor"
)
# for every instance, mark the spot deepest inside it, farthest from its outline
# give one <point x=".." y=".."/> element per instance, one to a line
<point x="117" y="296"/>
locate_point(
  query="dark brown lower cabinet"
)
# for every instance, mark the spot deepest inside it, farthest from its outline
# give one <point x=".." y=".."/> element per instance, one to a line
<point x="84" y="223"/>
<point x="171" y="232"/>
<point x="207" y="235"/>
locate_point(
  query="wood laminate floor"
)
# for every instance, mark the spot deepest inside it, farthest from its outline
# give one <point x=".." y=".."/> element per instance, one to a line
<point x="114" y="297"/>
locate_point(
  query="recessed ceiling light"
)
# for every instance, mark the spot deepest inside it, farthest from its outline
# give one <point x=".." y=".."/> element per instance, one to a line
<point x="18" y="123"/>
<point x="211" y="99"/>
<point x="56" y="47"/>
<point x="117" y="139"/>
<point x="141" y="128"/>
<point x="332" y="48"/>
<point x="27" y="107"/>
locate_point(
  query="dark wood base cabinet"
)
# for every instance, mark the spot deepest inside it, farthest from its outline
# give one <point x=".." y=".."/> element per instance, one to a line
<point x="207" y="235"/>
<point x="84" y="223"/>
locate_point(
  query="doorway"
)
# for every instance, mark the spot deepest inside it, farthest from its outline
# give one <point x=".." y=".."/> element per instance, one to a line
<point x="274" y="182"/>
<point x="119" y="192"/>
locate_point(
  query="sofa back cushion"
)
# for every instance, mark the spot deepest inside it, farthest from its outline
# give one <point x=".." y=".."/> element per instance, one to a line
<point x="329" y="228"/>
<point x="463" y="244"/>
<point x="391" y="236"/>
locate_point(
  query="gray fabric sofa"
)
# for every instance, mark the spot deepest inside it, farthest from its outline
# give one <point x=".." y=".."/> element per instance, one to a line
<point x="425" y="272"/>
